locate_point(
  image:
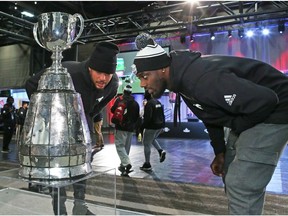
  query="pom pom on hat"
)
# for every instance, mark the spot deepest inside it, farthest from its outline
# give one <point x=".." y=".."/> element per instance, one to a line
<point x="144" y="39"/>
<point x="152" y="57"/>
<point x="104" y="58"/>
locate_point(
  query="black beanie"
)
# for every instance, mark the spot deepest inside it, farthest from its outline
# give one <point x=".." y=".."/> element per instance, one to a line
<point x="104" y="58"/>
<point x="152" y="57"/>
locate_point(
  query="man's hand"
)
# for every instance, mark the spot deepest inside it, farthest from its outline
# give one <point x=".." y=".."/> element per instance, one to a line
<point x="217" y="165"/>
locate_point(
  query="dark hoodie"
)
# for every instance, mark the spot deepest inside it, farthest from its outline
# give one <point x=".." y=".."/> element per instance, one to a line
<point x="226" y="91"/>
<point x="154" y="117"/>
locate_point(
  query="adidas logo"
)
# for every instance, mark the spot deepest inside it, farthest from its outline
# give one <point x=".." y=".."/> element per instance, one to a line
<point x="198" y="106"/>
<point x="229" y="99"/>
<point x="99" y="99"/>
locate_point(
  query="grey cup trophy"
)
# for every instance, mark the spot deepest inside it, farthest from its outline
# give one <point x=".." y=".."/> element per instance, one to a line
<point x="55" y="142"/>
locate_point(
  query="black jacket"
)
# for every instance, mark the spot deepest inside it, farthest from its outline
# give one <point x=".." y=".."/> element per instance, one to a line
<point x="94" y="100"/>
<point x="153" y="115"/>
<point x="132" y="113"/>
<point x="8" y="113"/>
<point x="234" y="92"/>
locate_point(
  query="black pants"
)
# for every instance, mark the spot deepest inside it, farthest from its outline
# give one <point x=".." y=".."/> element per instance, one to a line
<point x="7" y="136"/>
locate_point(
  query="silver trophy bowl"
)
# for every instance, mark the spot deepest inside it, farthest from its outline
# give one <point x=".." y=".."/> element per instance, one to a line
<point x="57" y="30"/>
<point x="55" y="141"/>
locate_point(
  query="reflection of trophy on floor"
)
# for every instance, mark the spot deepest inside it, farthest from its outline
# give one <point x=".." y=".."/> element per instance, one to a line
<point x="17" y="134"/>
<point x="55" y="142"/>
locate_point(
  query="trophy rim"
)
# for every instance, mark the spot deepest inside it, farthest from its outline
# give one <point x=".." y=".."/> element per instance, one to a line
<point x="53" y="12"/>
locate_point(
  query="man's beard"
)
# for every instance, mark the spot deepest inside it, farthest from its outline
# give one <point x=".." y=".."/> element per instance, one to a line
<point x="158" y="94"/>
<point x="160" y="91"/>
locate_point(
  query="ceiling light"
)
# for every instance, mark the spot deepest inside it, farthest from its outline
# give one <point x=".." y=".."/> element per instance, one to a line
<point x="182" y="39"/>
<point x="212" y="36"/>
<point x="26" y="13"/>
<point x="191" y="38"/>
<point x="281" y="27"/>
<point x="241" y="32"/>
<point x="229" y="34"/>
<point x="249" y="33"/>
<point x="265" y="31"/>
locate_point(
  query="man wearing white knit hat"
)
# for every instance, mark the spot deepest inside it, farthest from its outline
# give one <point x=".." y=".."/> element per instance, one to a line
<point x="247" y="96"/>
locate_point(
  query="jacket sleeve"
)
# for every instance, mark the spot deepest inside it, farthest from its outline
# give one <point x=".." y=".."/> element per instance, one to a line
<point x="216" y="134"/>
<point x="5" y="111"/>
<point x="135" y="111"/>
<point x="114" y="106"/>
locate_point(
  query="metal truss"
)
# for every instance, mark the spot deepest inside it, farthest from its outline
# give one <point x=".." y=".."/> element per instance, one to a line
<point x="183" y="18"/>
<point x="159" y="20"/>
<point x="14" y="30"/>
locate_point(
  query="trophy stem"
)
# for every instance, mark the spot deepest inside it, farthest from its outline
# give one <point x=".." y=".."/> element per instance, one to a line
<point x="57" y="58"/>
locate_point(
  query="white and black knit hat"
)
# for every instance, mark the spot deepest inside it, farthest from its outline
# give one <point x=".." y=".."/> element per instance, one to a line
<point x="152" y="57"/>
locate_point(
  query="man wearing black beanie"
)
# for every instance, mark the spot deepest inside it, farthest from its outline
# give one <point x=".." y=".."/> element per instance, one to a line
<point x="97" y="83"/>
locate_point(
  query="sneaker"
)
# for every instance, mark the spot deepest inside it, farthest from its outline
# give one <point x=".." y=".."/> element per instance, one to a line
<point x="146" y="167"/>
<point x="128" y="168"/>
<point x="125" y="170"/>
<point x="98" y="146"/>
<point x="5" y="151"/>
<point x="162" y="156"/>
<point x="121" y="168"/>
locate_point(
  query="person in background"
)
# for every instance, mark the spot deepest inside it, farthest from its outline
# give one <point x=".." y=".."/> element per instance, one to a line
<point x="139" y="129"/>
<point x="8" y="113"/>
<point x="97" y="83"/>
<point x="247" y="96"/>
<point x="153" y="124"/>
<point x="97" y="123"/>
<point x="124" y="131"/>
<point x="21" y="115"/>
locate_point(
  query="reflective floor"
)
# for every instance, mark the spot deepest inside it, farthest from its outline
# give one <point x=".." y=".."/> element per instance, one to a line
<point x="186" y="161"/>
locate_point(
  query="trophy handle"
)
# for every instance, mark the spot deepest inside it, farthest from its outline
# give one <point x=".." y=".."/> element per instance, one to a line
<point x="81" y="26"/>
<point x="35" y="34"/>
